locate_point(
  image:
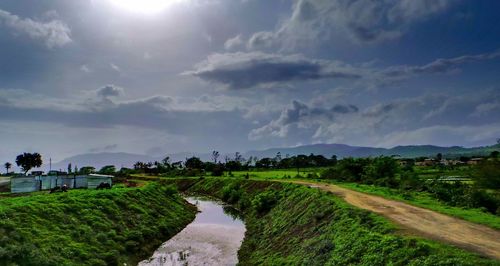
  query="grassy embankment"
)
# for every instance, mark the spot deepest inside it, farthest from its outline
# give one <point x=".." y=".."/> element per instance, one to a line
<point x="425" y="200"/>
<point x="290" y="224"/>
<point x="419" y="199"/>
<point x="90" y="227"/>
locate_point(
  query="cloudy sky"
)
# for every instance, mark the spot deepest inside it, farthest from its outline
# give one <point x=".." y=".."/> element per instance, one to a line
<point x="166" y="76"/>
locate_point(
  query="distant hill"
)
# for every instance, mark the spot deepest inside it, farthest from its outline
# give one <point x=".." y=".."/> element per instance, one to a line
<point x="342" y="151"/>
<point x="121" y="159"/>
<point x="99" y="160"/>
<point x="118" y="159"/>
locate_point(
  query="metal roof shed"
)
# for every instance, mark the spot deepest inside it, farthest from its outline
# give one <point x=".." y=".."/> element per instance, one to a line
<point x="94" y="180"/>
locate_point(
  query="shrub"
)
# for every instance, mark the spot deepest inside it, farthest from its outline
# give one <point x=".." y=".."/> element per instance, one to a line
<point x="231" y="193"/>
<point x="264" y="201"/>
<point x="218" y="170"/>
<point x="312" y="176"/>
<point x="170" y="190"/>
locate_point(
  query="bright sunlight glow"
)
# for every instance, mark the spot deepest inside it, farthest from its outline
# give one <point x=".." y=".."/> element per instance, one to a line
<point x="143" y="6"/>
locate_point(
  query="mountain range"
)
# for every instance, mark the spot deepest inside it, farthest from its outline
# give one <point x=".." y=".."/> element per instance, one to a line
<point x="121" y="159"/>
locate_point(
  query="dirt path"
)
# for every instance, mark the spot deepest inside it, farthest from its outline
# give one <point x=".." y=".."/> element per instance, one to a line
<point x="423" y="222"/>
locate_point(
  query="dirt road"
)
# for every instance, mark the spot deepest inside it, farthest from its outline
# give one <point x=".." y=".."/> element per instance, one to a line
<point x="423" y="222"/>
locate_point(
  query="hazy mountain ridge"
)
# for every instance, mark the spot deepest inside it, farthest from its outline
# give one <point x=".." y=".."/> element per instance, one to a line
<point x="121" y="159"/>
<point x="342" y="150"/>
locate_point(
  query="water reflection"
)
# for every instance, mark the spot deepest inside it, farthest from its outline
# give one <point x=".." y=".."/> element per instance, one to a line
<point x="213" y="238"/>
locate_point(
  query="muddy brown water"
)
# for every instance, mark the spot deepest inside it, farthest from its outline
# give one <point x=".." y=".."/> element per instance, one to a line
<point x="213" y="238"/>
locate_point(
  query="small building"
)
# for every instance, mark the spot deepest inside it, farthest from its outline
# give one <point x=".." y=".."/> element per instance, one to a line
<point x="45" y="182"/>
<point x="94" y="180"/>
<point x="475" y="161"/>
<point x="37" y="173"/>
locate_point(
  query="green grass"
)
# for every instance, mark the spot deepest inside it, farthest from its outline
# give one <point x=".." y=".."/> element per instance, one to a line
<point x="277" y="174"/>
<point x="420" y="199"/>
<point x="425" y="200"/>
<point x="290" y="224"/>
<point x="430" y="172"/>
<point x="89" y="227"/>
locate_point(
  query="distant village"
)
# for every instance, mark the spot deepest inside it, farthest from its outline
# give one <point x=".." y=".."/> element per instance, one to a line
<point x="441" y="162"/>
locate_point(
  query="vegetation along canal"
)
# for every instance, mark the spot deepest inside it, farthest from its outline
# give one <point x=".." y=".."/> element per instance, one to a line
<point x="213" y="238"/>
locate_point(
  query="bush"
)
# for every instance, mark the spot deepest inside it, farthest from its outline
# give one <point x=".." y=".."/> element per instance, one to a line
<point x="264" y="201"/>
<point x="487" y="174"/>
<point x="312" y="176"/>
<point x="483" y="199"/>
<point x="218" y="170"/>
<point x="170" y="190"/>
<point x="231" y="193"/>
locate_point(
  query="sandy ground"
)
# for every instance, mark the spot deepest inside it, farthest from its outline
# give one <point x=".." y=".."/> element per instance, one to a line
<point x="423" y="222"/>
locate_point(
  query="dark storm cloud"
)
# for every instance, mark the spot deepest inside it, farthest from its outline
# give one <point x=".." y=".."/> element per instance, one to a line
<point x="301" y="116"/>
<point x="247" y="70"/>
<point x="109" y="91"/>
<point x="256" y="69"/>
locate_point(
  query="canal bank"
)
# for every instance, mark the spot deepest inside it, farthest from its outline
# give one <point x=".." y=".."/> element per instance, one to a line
<point x="213" y="238"/>
<point x="289" y="224"/>
<point x="90" y="227"/>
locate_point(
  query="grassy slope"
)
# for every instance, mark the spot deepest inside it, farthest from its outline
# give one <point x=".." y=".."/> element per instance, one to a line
<point x="308" y="226"/>
<point x="89" y="227"/>
<point x="420" y="199"/>
<point x="424" y="200"/>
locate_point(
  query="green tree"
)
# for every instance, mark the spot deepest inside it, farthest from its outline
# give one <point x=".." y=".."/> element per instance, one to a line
<point x="27" y="161"/>
<point x="215" y="156"/>
<point x="166" y="162"/>
<point x="70" y="168"/>
<point x="87" y="170"/>
<point x="333" y="160"/>
<point x="107" y="170"/>
<point x="300" y="161"/>
<point x="194" y="163"/>
<point x="7" y="166"/>
<point x="487" y="174"/>
<point x="382" y="171"/>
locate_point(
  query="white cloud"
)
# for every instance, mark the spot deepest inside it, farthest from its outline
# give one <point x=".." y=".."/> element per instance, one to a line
<point x="234" y="43"/>
<point x="364" y="21"/>
<point x="428" y="119"/>
<point x="115" y="67"/>
<point x="54" y="33"/>
<point x="443" y="135"/>
<point x="85" y="69"/>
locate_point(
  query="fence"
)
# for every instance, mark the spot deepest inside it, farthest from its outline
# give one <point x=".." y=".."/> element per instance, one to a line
<point x="36" y="183"/>
<point x="24" y="184"/>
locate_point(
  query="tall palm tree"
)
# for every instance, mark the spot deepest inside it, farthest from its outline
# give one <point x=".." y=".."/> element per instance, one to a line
<point x="7" y="166"/>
